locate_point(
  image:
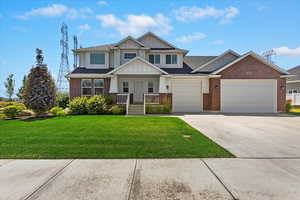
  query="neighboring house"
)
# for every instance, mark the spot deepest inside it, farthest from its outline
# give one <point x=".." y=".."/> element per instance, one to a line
<point x="293" y="86"/>
<point x="293" y="83"/>
<point x="151" y="70"/>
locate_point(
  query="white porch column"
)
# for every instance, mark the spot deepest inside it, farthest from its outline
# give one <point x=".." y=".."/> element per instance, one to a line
<point x="163" y="82"/>
<point x="113" y="84"/>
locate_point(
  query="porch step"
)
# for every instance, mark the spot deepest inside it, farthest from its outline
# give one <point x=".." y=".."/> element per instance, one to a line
<point x="135" y="109"/>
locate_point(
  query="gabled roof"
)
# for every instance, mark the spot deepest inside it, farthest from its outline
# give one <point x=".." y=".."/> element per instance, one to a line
<point x="186" y="69"/>
<point x="83" y="70"/>
<point x="134" y="59"/>
<point x="158" y="38"/>
<point x="196" y="61"/>
<point x="251" y="53"/>
<point x="208" y="69"/>
<point x="129" y="38"/>
<point x="294" y="71"/>
<point x="105" y="47"/>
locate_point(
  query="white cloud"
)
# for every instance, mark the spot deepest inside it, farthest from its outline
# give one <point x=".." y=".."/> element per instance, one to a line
<point x="83" y="28"/>
<point x="56" y="10"/>
<point x="287" y="51"/>
<point x="193" y="13"/>
<point x="191" y="37"/>
<point x="102" y="3"/>
<point x="79" y="13"/>
<point x="218" y="42"/>
<point x="137" y="24"/>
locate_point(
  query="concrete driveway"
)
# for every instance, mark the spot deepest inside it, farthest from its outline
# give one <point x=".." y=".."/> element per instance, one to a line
<point x="150" y="179"/>
<point x="252" y="136"/>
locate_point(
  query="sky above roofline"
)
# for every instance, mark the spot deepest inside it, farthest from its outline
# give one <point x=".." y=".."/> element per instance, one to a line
<point x="207" y="27"/>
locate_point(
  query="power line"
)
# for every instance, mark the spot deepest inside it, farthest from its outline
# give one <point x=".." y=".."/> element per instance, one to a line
<point x="64" y="69"/>
<point x="268" y="55"/>
<point x="75" y="41"/>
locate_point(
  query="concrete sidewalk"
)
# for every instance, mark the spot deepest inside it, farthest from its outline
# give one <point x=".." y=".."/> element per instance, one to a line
<point x="155" y="179"/>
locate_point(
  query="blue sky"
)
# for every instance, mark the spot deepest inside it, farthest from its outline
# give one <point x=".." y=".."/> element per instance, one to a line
<point x="205" y="27"/>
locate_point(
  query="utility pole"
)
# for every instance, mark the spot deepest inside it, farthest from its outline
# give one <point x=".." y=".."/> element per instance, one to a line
<point x="64" y="69"/>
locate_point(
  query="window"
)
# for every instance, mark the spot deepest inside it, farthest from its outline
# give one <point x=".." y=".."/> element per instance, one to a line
<point x="125" y="87"/>
<point x="154" y="58"/>
<point x="86" y="87"/>
<point x="150" y="87"/>
<point x="171" y="59"/>
<point x="97" y="58"/>
<point x="129" y="55"/>
<point x="98" y="86"/>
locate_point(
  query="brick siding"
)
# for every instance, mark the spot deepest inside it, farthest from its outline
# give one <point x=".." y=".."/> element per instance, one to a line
<point x="248" y="68"/>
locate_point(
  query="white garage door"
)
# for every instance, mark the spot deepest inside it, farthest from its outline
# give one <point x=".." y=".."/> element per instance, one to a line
<point x="187" y="95"/>
<point x="249" y="96"/>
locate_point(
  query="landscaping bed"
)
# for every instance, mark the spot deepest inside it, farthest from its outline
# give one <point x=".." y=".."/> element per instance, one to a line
<point x="94" y="136"/>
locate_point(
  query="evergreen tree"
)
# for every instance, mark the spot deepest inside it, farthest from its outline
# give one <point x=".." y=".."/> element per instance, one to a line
<point x="40" y="91"/>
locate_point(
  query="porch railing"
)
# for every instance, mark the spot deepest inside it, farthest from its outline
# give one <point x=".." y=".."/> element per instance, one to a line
<point x="295" y="97"/>
<point x="150" y="99"/>
<point x="124" y="99"/>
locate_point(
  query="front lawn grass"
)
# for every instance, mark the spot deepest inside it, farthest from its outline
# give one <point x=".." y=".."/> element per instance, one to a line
<point x="105" y="137"/>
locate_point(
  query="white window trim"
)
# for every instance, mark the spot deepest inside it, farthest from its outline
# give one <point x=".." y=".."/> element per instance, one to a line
<point x="129" y="53"/>
<point x="154" y="54"/>
<point x="123" y="86"/>
<point x="171" y="59"/>
<point x="150" y="87"/>
<point x="88" y="60"/>
<point x="81" y="87"/>
<point x="95" y="87"/>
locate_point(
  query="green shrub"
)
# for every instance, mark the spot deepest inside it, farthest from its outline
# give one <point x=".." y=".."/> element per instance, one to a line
<point x="61" y="113"/>
<point x="288" y="105"/>
<point x="158" y="109"/>
<point x="97" y="105"/>
<point x="55" y="110"/>
<point x="12" y="111"/>
<point x="108" y="99"/>
<point x="78" y="105"/>
<point x="2" y="116"/>
<point x="62" y="100"/>
<point x="167" y="109"/>
<point x="4" y="104"/>
<point x="117" y="110"/>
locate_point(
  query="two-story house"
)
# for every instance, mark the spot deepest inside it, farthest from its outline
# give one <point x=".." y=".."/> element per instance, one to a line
<point x="148" y="69"/>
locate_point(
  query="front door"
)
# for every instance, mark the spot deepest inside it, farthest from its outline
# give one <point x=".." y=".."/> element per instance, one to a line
<point x="138" y="91"/>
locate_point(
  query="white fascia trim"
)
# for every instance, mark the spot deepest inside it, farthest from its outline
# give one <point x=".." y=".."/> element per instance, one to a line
<point x="82" y="75"/>
<point x="162" y="40"/>
<point x="213" y="60"/>
<point x="287" y="76"/>
<point x="129" y="38"/>
<point x="297" y="81"/>
<point x="255" y="56"/>
<point x="132" y="60"/>
<point x="214" y="76"/>
<point x="185" y="76"/>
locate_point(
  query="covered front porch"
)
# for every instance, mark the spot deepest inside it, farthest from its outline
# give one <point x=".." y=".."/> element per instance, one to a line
<point x="139" y="83"/>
